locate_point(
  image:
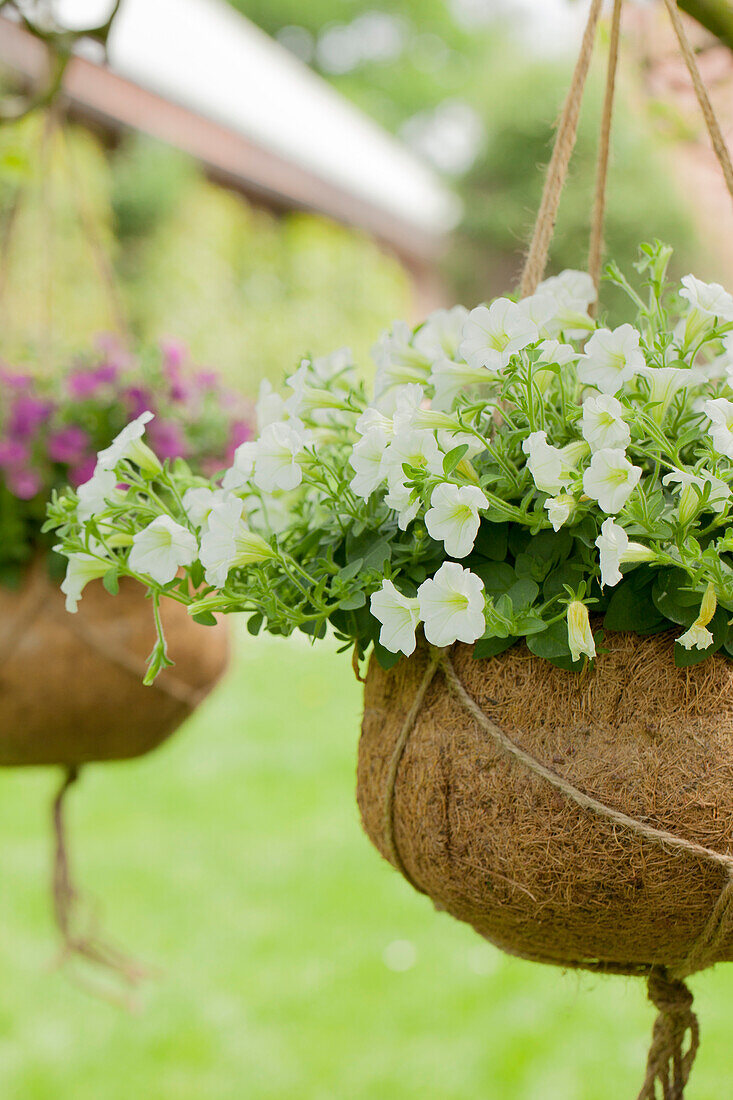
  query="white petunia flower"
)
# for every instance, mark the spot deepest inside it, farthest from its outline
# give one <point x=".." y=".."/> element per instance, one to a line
<point x="374" y="418"/>
<point x="335" y="368"/>
<point x="452" y="605"/>
<point x="574" y="291"/>
<point x="240" y="472"/>
<point x="610" y="479"/>
<point x="94" y="493"/>
<point x="416" y="448"/>
<point x="603" y="423"/>
<point x="367" y="461"/>
<point x="397" y="360"/>
<point x="453" y="517"/>
<point x="552" y="468"/>
<point x="228" y="542"/>
<point x="399" y="616"/>
<point x="441" y="334"/>
<point x="698" y="636"/>
<point x="161" y="549"/>
<point x="559" y="509"/>
<point x="541" y="310"/>
<point x="665" y="382"/>
<point x="406" y="401"/>
<point x="580" y="635"/>
<point x="615" y="550"/>
<point x="198" y="503"/>
<point x="710" y="299"/>
<point x="448" y="379"/>
<point x="692" y="488"/>
<point x="493" y="334"/>
<point x="611" y="358"/>
<point x="80" y="569"/>
<point x="554" y="353"/>
<point x="720" y="414"/>
<point x="279" y="449"/>
<point x="270" y="406"/>
<point x="612" y="543"/>
<point x="309" y="398"/>
<point x="128" y="444"/>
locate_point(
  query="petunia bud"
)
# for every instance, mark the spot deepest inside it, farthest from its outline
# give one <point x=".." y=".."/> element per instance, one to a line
<point x="580" y="635"/>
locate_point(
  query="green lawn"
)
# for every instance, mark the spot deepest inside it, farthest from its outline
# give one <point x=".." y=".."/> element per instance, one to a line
<point x="296" y="965"/>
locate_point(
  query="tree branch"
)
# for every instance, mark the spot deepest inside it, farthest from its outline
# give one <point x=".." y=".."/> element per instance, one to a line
<point x="715" y="15"/>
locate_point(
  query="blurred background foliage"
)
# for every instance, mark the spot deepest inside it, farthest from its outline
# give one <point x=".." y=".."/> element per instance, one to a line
<point x="455" y="79"/>
<point x="137" y="238"/>
<point x="250" y="291"/>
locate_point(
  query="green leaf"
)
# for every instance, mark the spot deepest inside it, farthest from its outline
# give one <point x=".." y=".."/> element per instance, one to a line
<point x="568" y="573"/>
<point x="491" y="541"/>
<point x="374" y="550"/>
<point x="387" y="660"/>
<point x="206" y="618"/>
<point x="674" y="597"/>
<point x="197" y="574"/>
<point x="498" y="577"/>
<point x="353" y="602"/>
<point x="491" y="647"/>
<point x="631" y="607"/>
<point x="254" y="623"/>
<point x="351" y="570"/>
<point x="111" y="581"/>
<point x="523" y="593"/>
<point x="718" y="627"/>
<point x="552" y="644"/>
<point x="453" y="457"/>
<point x="529" y="623"/>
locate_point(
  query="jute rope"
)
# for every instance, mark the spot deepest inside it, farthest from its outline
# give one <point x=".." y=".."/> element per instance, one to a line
<point x="595" y="251"/>
<point x="67" y="907"/>
<point x="557" y="171"/>
<point x="711" y="120"/>
<point x="667" y="1065"/>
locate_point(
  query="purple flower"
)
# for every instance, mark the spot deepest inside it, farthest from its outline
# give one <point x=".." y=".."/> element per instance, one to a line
<point x="83" y="470"/>
<point x="68" y="445"/>
<point x="86" y="381"/>
<point x="26" y="414"/>
<point x="13" y="453"/>
<point x="239" y="432"/>
<point x="207" y="380"/>
<point x="15" y="381"/>
<point x="138" y="400"/>
<point x="174" y="353"/>
<point x="167" y="439"/>
<point x="24" y="482"/>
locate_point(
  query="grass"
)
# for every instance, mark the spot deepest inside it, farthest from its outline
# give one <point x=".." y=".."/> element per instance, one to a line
<point x="296" y="964"/>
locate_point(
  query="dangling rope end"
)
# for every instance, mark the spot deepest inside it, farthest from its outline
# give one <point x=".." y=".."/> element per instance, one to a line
<point x="668" y="1064"/>
<point x="76" y="943"/>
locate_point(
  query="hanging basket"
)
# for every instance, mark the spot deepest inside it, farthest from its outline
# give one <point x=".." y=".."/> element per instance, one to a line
<point x="71" y="685"/>
<point x="583" y="821"/>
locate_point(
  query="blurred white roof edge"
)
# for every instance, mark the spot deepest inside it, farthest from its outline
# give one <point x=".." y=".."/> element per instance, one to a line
<point x="205" y="57"/>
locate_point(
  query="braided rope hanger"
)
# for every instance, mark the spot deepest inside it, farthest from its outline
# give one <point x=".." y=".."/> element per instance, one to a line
<point x="566" y="135"/>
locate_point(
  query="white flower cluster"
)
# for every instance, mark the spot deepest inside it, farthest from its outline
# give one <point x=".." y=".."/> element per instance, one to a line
<point x="526" y="413"/>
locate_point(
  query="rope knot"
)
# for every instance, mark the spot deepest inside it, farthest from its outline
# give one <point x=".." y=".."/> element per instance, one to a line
<point x="669" y="995"/>
<point x="667" y="1065"/>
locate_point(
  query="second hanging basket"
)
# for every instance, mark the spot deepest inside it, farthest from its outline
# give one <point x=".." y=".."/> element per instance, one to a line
<point x="71" y="686"/>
